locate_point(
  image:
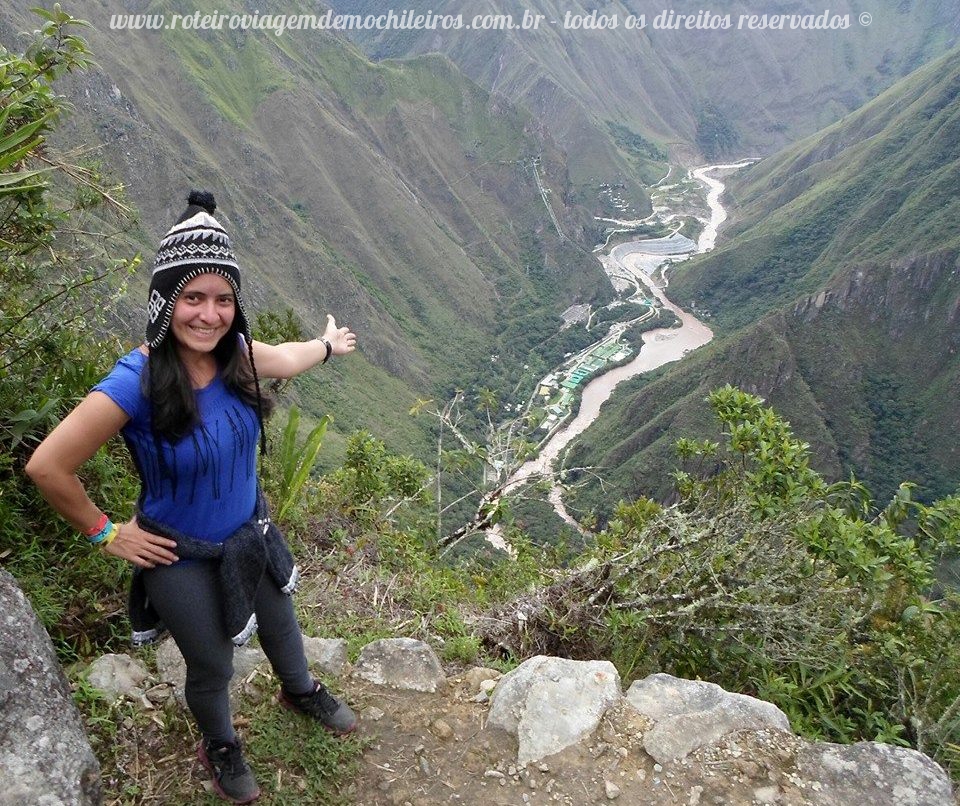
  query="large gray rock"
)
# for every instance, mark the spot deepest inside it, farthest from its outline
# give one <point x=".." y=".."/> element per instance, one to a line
<point x="552" y="703"/>
<point x="45" y="758"/>
<point x="688" y="714"/>
<point x="869" y="772"/>
<point x="327" y="654"/>
<point x="403" y="663"/>
<point x="172" y="669"/>
<point x="117" y="676"/>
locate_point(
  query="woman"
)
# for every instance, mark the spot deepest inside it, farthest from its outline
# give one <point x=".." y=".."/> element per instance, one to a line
<point x="211" y="567"/>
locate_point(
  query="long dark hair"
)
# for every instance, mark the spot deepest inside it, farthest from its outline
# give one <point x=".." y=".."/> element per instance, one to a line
<point x="173" y="400"/>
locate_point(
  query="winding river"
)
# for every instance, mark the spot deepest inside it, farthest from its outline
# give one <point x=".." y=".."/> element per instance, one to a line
<point x="661" y="346"/>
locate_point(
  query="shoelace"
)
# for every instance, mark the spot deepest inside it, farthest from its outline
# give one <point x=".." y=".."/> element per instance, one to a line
<point x="236" y="761"/>
<point x="319" y="699"/>
<point x="326" y="702"/>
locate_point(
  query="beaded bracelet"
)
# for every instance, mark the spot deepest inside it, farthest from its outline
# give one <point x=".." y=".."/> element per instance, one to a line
<point x="329" y="346"/>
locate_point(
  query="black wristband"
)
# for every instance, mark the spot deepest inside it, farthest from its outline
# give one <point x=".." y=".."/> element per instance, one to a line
<point x="329" y="349"/>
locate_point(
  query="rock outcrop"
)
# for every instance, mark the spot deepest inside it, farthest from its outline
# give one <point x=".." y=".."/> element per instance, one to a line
<point x="117" y="676"/>
<point x="688" y="714"/>
<point x="45" y="757"/>
<point x="551" y="703"/>
<point x="401" y="663"/>
<point x="870" y="772"/>
<point x="556" y="731"/>
<point x="689" y="729"/>
<point x="329" y="655"/>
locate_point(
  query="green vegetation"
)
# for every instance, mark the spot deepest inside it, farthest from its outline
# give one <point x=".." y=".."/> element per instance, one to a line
<point x="766" y="579"/>
<point x="316" y="765"/>
<point x="692" y="228"/>
<point x="296" y="461"/>
<point x="636" y="144"/>
<point x="234" y="80"/>
<point x="535" y="518"/>
<point x="895" y="453"/>
<point x="649" y="158"/>
<point x="634" y="336"/>
<point x="55" y="289"/>
<point x="618" y="313"/>
<point x="716" y="134"/>
<point x="833" y="297"/>
<point x="624" y="234"/>
<point x="763" y="577"/>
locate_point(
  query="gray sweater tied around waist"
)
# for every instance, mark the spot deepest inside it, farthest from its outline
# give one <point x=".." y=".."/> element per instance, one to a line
<point x="256" y="554"/>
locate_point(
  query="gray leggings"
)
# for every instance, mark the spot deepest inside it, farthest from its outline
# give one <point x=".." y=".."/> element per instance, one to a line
<point x="187" y="597"/>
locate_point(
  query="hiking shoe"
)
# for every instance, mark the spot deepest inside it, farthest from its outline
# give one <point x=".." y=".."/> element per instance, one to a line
<point x="333" y="713"/>
<point x="232" y="778"/>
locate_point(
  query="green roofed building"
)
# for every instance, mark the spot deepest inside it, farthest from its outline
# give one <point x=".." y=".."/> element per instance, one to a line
<point x="608" y="351"/>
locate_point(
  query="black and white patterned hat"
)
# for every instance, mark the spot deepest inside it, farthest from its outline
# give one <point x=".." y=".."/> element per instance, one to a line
<point x="195" y="245"/>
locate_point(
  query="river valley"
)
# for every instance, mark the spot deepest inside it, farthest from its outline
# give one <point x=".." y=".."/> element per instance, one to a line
<point x="636" y="268"/>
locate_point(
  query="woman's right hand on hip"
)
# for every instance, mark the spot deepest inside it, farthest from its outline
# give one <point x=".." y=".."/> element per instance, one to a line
<point x="140" y="547"/>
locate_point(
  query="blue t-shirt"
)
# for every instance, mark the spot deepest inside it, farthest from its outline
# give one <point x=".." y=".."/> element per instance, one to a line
<point x="207" y="485"/>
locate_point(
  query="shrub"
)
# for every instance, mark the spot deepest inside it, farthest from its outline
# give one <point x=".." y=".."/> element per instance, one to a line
<point x="55" y="286"/>
<point x="765" y="579"/>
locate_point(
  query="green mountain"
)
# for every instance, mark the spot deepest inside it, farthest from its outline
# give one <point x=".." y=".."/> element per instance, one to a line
<point x="401" y="197"/>
<point x="690" y="91"/>
<point x="849" y="246"/>
<point x="405" y="198"/>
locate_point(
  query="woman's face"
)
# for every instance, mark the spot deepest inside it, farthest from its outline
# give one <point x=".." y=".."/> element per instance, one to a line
<point x="204" y="313"/>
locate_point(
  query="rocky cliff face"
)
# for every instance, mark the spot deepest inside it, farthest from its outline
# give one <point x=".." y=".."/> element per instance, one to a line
<point x="894" y="338"/>
<point x="914" y="291"/>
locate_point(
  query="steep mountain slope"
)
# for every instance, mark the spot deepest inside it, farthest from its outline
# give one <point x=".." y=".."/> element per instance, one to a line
<point x="851" y="242"/>
<point x="691" y="90"/>
<point x="402" y="197"/>
<point x="880" y="184"/>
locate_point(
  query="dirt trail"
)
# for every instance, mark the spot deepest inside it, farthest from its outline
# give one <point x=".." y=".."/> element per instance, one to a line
<point x="435" y="749"/>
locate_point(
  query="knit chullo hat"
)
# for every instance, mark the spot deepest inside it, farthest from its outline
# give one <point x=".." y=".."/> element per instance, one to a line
<point x="195" y="245"/>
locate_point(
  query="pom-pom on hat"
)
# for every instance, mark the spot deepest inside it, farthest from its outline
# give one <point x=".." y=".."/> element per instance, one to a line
<point x="195" y="245"/>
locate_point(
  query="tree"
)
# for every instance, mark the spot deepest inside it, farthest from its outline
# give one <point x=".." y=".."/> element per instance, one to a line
<point x="54" y="251"/>
<point x="60" y="221"/>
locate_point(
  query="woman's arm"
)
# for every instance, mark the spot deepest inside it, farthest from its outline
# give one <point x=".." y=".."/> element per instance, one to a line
<point x="54" y="465"/>
<point x="293" y="357"/>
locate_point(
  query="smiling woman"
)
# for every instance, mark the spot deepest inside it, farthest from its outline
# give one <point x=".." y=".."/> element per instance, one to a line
<point x="211" y="567"/>
<point x="202" y="316"/>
